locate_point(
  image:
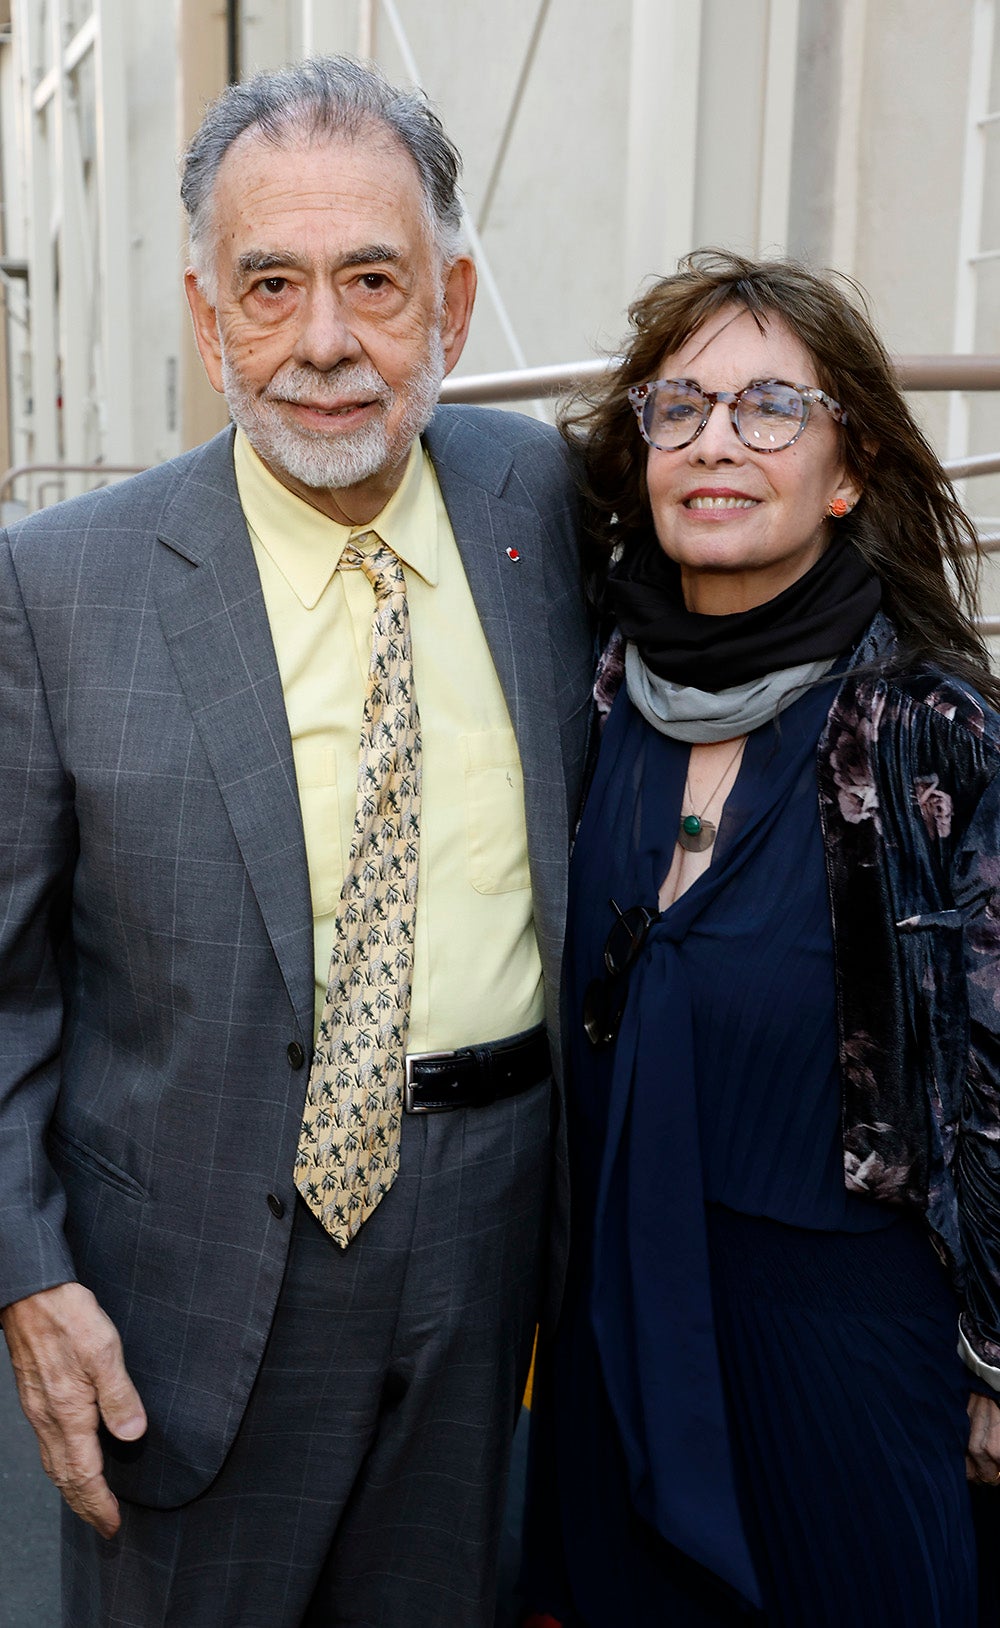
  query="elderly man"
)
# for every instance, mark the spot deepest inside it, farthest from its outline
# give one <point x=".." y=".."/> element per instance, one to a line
<point x="291" y="737"/>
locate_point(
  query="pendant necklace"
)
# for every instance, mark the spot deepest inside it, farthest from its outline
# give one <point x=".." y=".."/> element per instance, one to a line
<point x="695" y="833"/>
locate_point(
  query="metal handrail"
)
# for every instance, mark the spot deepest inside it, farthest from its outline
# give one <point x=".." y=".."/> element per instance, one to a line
<point x="960" y="468"/>
<point x="528" y="384"/>
<point x="17" y="471"/>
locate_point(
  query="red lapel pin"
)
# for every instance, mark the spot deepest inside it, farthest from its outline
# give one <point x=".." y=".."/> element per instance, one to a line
<point x="512" y="554"/>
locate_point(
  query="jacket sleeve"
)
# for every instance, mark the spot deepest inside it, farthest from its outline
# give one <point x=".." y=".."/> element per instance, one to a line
<point x="976" y="1165"/>
<point x="37" y="851"/>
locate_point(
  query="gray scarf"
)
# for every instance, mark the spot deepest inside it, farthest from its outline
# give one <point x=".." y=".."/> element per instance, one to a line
<point x="699" y="716"/>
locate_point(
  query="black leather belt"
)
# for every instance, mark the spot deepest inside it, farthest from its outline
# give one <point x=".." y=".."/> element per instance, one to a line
<point x="476" y="1075"/>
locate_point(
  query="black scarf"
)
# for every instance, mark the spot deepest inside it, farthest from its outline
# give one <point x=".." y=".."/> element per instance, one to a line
<point x="822" y="614"/>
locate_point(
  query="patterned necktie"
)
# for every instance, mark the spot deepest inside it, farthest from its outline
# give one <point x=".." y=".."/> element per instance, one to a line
<point x="348" y="1153"/>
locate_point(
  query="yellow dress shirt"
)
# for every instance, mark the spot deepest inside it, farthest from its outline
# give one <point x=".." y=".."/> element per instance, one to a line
<point x="477" y="974"/>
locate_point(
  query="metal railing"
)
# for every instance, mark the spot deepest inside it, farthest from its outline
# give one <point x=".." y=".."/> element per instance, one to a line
<point x="931" y="373"/>
<point x="21" y="471"/>
<point x="530" y="384"/>
<point x="527" y="384"/>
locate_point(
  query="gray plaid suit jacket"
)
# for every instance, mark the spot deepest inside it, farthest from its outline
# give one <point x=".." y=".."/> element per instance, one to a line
<point x="155" y="927"/>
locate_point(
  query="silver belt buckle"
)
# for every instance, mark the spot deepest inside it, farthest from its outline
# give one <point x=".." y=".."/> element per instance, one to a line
<point x="409" y="1106"/>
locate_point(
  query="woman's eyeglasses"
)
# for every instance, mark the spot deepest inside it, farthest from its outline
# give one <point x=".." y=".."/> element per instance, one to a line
<point x="604" y="998"/>
<point x="767" y="415"/>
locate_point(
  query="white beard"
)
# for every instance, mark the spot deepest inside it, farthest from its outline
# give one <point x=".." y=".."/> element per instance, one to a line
<point x="325" y="461"/>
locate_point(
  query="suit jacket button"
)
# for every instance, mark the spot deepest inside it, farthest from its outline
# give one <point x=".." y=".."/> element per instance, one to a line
<point x="296" y="1054"/>
<point x="275" y="1205"/>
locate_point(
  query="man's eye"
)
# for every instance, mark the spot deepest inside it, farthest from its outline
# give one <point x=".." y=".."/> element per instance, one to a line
<point x="374" y="280"/>
<point x="273" y="285"/>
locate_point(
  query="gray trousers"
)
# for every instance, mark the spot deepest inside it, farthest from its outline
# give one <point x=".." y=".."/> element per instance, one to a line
<point x="365" y="1487"/>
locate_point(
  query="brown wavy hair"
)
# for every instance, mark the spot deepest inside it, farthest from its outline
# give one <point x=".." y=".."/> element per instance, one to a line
<point x="908" y="524"/>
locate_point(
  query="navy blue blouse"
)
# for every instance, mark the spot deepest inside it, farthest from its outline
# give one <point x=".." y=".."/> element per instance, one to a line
<point x="722" y="1086"/>
<point x="760" y="968"/>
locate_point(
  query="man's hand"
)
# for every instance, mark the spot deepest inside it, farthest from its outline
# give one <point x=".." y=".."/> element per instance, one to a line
<point x="982" y="1459"/>
<point x="70" y="1374"/>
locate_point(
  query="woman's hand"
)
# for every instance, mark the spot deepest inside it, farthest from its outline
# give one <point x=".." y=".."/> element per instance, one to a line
<point x="982" y="1460"/>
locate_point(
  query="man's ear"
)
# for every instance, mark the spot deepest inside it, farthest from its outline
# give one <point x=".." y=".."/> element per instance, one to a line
<point x="459" y="297"/>
<point x="206" y="329"/>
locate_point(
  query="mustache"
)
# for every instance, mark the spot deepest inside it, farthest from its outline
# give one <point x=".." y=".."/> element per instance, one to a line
<point x="292" y="383"/>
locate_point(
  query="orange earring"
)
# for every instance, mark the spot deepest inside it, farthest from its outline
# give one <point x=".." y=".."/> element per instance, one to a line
<point x="838" y="508"/>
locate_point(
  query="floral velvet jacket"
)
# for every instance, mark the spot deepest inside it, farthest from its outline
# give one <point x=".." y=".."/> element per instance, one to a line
<point x="909" y="793"/>
<point x="909" y="790"/>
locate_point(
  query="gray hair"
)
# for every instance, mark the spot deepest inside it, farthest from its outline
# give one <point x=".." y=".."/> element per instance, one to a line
<point x="324" y="96"/>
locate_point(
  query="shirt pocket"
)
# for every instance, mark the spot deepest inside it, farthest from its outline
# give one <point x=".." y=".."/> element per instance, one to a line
<point x="496" y="837"/>
<point x="316" y="773"/>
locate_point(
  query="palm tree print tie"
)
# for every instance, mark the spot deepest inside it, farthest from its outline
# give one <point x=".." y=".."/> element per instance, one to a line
<point x="348" y="1153"/>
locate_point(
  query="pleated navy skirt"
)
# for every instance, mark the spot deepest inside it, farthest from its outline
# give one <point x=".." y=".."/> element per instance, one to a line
<point x="847" y="1425"/>
<point x="847" y="1421"/>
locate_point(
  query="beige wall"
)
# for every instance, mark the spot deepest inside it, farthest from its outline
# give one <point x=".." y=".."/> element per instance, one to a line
<point x="192" y="410"/>
<point x="6" y="458"/>
<point x="553" y="228"/>
<point x="603" y="138"/>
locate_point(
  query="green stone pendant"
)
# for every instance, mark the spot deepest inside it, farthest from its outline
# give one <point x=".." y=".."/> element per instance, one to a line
<point x="695" y="834"/>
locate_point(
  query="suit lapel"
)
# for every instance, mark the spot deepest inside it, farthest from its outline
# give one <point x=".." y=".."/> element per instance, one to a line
<point x="513" y="607"/>
<point x="213" y="617"/>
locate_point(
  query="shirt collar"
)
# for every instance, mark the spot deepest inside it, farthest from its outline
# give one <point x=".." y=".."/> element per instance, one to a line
<point x="306" y="545"/>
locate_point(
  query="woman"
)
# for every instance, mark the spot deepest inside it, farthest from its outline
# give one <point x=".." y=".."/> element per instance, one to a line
<point x="784" y="1003"/>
